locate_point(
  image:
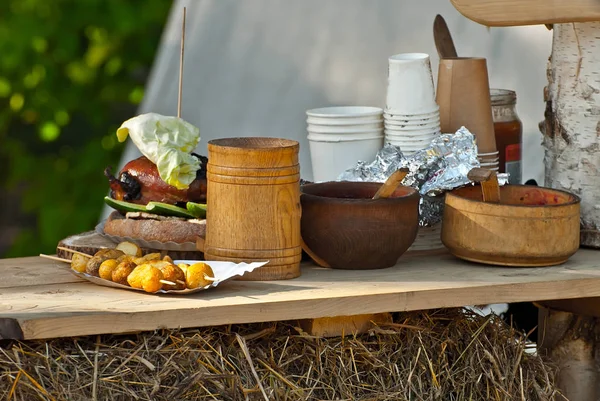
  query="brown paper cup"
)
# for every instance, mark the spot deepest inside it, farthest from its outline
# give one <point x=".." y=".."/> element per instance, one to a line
<point x="463" y="94"/>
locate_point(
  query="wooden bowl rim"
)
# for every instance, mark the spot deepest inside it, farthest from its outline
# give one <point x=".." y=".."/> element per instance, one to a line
<point x="411" y="193"/>
<point x="576" y="199"/>
<point x="260" y="143"/>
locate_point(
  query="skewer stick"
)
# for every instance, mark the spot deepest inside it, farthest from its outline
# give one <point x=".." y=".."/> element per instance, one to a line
<point x="181" y="66"/>
<point x="62" y="248"/>
<point x="55" y="258"/>
<point x="167" y="282"/>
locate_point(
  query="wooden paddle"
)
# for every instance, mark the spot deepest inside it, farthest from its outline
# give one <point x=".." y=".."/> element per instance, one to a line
<point x="489" y="183"/>
<point x="389" y="186"/>
<point x="443" y="39"/>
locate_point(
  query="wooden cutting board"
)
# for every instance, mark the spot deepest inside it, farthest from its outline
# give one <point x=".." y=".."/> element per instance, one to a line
<point x="528" y="12"/>
<point x="91" y="242"/>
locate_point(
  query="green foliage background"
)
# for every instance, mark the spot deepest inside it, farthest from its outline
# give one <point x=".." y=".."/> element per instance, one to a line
<point x="70" y="72"/>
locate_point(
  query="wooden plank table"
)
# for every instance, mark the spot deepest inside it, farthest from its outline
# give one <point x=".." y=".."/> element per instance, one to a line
<point x="41" y="299"/>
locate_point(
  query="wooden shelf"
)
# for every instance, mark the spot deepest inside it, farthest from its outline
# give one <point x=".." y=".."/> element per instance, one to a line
<point x="42" y="299"/>
<point x="528" y="12"/>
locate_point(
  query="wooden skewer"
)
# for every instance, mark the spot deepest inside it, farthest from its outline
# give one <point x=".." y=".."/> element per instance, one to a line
<point x="55" y="258"/>
<point x="62" y="248"/>
<point x="207" y="278"/>
<point x="181" y="65"/>
<point x="167" y="282"/>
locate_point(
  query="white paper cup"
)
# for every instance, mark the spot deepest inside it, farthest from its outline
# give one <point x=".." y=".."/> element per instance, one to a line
<point x="331" y="158"/>
<point x="408" y="135"/>
<point x="345" y="128"/>
<point x="410" y="84"/>
<point x="399" y="115"/>
<point x="345" y="112"/>
<point x="412" y="120"/>
<point x="321" y="137"/>
<point x="406" y="147"/>
<point x="337" y="122"/>
<point x="414" y="133"/>
<point x="412" y="127"/>
<point x="488" y="159"/>
<point x="400" y="138"/>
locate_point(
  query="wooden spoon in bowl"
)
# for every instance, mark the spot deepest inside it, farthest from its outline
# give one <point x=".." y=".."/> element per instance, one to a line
<point x="385" y="191"/>
<point x="489" y="183"/>
<point x="389" y="186"/>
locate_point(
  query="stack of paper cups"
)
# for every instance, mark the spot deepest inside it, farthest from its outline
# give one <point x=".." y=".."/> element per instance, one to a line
<point x="489" y="161"/>
<point x="341" y="136"/>
<point x="412" y="118"/>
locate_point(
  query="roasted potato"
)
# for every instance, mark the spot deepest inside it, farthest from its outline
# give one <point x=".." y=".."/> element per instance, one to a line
<point x="93" y="265"/>
<point x="129" y="248"/>
<point x="147" y="258"/>
<point x="198" y="275"/>
<point x="125" y="257"/>
<point x="183" y="267"/>
<point x="106" y="268"/>
<point x="167" y="258"/>
<point x="122" y="271"/>
<point x="79" y="262"/>
<point x="146" y="277"/>
<point x="171" y="273"/>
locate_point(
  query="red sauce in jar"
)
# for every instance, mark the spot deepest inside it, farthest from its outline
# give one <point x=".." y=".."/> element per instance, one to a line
<point x="509" y="133"/>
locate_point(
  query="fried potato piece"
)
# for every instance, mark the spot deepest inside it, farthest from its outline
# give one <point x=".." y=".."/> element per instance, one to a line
<point x="79" y="262"/>
<point x="173" y="274"/>
<point x="129" y="248"/>
<point x="146" y="277"/>
<point x="183" y="266"/>
<point x="125" y="257"/>
<point x="93" y="265"/>
<point x="147" y="258"/>
<point x="106" y="268"/>
<point x="167" y="258"/>
<point x="198" y="275"/>
<point x="122" y="271"/>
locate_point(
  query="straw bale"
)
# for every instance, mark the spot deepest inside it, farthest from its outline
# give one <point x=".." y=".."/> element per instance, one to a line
<point x="449" y="354"/>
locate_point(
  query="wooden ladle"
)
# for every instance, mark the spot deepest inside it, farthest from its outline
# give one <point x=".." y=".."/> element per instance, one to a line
<point x="489" y="183"/>
<point x="389" y="186"/>
<point x="385" y="191"/>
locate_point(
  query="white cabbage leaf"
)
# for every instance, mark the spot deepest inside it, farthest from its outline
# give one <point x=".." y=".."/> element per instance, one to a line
<point x="167" y="142"/>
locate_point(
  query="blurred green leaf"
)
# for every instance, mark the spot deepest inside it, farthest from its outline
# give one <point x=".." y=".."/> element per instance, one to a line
<point x="70" y="72"/>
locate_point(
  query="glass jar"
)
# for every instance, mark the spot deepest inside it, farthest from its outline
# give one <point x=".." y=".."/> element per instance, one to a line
<point x="508" y="130"/>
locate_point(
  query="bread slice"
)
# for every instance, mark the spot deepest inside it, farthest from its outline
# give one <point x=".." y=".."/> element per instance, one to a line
<point x="149" y="229"/>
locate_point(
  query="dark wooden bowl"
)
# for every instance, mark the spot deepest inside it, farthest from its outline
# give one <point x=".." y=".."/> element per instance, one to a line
<point x="343" y="226"/>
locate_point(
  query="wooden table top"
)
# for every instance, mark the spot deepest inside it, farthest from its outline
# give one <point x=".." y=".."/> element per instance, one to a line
<point x="42" y="299"/>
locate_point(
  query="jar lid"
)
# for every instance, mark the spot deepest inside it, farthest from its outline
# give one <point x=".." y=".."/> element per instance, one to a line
<point x="500" y="97"/>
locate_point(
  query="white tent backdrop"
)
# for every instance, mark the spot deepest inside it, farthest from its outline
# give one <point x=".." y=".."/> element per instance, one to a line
<point x="252" y="68"/>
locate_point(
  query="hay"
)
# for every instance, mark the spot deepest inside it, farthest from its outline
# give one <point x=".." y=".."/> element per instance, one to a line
<point x="440" y="355"/>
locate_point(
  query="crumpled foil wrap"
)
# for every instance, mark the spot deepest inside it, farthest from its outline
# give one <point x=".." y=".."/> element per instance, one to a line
<point x="440" y="167"/>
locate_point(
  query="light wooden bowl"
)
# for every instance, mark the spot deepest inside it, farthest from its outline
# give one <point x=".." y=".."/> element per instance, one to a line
<point x="530" y="226"/>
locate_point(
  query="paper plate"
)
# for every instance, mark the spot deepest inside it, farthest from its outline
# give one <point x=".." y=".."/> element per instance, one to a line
<point x="223" y="271"/>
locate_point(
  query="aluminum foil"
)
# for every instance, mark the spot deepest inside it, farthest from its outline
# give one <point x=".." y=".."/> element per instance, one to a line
<point x="440" y="167"/>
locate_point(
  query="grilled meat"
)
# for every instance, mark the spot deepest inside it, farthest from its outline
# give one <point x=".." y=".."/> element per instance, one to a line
<point x="139" y="182"/>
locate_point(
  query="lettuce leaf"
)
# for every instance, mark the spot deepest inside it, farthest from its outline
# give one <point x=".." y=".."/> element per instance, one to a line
<point x="166" y="141"/>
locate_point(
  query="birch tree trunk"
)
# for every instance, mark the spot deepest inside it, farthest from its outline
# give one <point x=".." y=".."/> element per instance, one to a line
<point x="569" y="340"/>
<point x="572" y="125"/>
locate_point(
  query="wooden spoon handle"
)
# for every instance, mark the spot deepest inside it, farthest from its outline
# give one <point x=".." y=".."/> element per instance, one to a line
<point x="489" y="184"/>
<point x="443" y="39"/>
<point x="389" y="186"/>
<point x="314" y="256"/>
